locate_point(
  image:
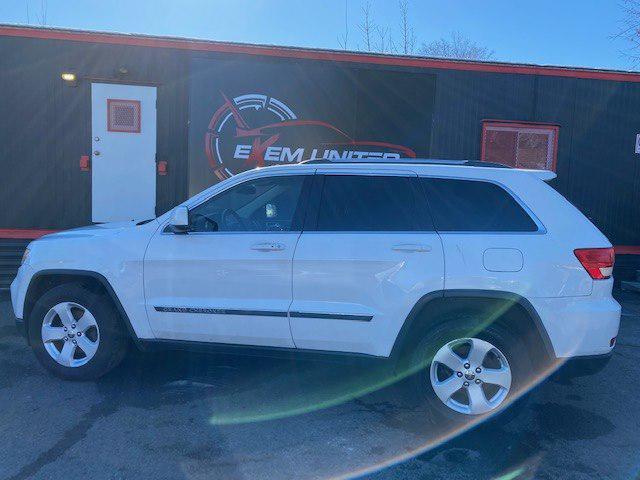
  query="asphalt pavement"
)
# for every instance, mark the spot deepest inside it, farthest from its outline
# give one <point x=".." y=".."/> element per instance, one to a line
<point x="177" y="415"/>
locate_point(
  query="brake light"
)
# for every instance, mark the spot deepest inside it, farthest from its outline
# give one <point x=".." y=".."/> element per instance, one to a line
<point x="598" y="262"/>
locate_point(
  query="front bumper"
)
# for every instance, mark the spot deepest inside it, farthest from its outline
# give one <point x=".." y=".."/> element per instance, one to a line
<point x="18" y="290"/>
<point x="18" y="293"/>
<point x="21" y="327"/>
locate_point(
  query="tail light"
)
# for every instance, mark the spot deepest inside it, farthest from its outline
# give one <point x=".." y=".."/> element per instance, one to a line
<point x="598" y="262"/>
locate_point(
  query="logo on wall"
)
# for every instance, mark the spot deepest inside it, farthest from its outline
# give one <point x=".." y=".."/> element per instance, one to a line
<point x="256" y="130"/>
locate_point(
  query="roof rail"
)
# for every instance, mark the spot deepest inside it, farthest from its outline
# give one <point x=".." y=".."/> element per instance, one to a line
<point x="421" y="161"/>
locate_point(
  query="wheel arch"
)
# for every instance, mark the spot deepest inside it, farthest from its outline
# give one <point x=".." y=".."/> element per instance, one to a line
<point x="433" y="307"/>
<point x="44" y="280"/>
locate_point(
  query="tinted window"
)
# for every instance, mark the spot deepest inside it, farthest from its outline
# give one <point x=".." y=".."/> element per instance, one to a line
<point x="260" y="205"/>
<point x="474" y="206"/>
<point x="368" y="203"/>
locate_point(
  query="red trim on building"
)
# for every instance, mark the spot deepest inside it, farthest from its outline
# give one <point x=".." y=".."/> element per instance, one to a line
<point x="627" y="249"/>
<point x="519" y="123"/>
<point x="24" y="233"/>
<point x="85" y="163"/>
<point x="313" y="54"/>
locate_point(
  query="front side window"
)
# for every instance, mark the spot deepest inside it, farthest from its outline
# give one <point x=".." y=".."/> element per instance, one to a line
<point x="474" y="206"/>
<point x="520" y="145"/>
<point x="261" y="205"/>
<point x="352" y="203"/>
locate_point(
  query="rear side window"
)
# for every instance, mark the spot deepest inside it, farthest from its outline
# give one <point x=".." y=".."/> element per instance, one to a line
<point x="474" y="206"/>
<point x="370" y="203"/>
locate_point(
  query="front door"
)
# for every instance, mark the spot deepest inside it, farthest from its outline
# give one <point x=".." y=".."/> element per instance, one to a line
<point x="229" y="279"/>
<point x="123" y="139"/>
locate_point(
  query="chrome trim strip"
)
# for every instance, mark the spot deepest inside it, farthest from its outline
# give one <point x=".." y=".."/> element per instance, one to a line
<point x="332" y="316"/>
<point x="220" y="311"/>
<point x="263" y="313"/>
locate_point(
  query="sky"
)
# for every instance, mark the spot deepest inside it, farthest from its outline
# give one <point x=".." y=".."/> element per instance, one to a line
<point x="547" y="32"/>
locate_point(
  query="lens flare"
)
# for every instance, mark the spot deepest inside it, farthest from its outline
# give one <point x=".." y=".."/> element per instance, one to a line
<point x="312" y="387"/>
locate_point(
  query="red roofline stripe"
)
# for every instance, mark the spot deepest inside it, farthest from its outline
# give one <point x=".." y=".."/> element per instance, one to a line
<point x="24" y="233"/>
<point x="312" y="54"/>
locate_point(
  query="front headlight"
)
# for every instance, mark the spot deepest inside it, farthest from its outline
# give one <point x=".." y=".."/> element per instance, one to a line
<point x="25" y="255"/>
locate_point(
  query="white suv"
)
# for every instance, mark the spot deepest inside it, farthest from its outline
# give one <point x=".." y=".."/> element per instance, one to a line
<point x="477" y="273"/>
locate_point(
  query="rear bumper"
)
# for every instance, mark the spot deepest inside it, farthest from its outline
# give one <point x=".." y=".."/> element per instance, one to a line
<point x="583" y="366"/>
<point x="580" y="326"/>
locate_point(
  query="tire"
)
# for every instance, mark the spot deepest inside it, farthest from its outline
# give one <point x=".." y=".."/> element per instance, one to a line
<point x="99" y="333"/>
<point x="456" y="332"/>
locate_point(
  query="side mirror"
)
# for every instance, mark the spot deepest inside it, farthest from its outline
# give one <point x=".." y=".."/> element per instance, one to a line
<point x="179" y="222"/>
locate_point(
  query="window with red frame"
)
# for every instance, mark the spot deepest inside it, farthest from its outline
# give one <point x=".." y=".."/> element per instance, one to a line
<point x="123" y="115"/>
<point x="520" y="145"/>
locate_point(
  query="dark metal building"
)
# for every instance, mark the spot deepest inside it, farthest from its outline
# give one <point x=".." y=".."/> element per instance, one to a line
<point x="101" y="127"/>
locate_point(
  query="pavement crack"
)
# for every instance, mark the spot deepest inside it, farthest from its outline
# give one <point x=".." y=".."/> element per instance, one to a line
<point x="72" y="436"/>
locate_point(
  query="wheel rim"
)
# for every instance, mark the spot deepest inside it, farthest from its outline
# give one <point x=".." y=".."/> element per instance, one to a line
<point x="70" y="334"/>
<point x="470" y="376"/>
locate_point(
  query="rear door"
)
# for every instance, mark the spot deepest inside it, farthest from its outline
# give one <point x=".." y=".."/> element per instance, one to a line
<point x="367" y="254"/>
<point x="491" y="240"/>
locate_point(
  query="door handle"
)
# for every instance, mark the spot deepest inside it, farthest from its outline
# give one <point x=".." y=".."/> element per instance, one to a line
<point x="411" y="247"/>
<point x="268" y="247"/>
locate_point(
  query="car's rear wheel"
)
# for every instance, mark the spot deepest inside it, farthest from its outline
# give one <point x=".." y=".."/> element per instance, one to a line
<point x="76" y="333"/>
<point x="470" y="376"/>
<point x="464" y="373"/>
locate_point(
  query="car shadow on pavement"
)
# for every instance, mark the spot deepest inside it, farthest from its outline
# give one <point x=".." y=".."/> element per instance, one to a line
<point x="188" y="415"/>
<point x="257" y="391"/>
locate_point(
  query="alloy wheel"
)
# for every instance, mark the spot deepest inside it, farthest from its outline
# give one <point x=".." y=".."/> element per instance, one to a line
<point x="470" y="376"/>
<point x="70" y="334"/>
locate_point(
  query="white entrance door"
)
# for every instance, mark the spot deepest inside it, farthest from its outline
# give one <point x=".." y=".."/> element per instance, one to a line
<point x="123" y="131"/>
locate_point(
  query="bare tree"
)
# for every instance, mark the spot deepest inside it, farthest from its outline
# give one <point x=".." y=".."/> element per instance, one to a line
<point x="630" y="29"/>
<point x="343" y="39"/>
<point x="457" y="46"/>
<point x="43" y="12"/>
<point x="367" y="26"/>
<point x="384" y="42"/>
<point x="379" y="38"/>
<point x="407" y="34"/>
<point x="41" y="17"/>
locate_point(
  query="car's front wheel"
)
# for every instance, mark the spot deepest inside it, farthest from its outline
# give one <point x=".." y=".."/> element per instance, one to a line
<point x="76" y="333"/>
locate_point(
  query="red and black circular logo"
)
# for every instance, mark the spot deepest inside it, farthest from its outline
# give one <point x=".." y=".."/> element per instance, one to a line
<point x="256" y="130"/>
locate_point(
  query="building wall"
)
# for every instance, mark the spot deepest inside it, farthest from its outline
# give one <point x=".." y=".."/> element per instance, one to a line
<point x="46" y="125"/>
<point x="327" y="106"/>
<point x="598" y="169"/>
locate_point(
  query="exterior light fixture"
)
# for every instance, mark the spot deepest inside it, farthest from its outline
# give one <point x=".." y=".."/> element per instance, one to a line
<point x="70" y="78"/>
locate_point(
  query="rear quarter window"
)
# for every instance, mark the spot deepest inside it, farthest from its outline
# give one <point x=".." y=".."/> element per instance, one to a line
<point x="474" y="206"/>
